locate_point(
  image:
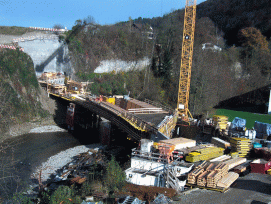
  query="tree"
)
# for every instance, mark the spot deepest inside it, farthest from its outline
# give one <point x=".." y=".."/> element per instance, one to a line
<point x="115" y="178"/>
<point x="78" y="22"/>
<point x="252" y="39"/>
<point x="58" y="26"/>
<point x="89" y="20"/>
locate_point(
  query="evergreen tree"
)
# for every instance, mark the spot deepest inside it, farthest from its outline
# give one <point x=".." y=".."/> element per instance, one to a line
<point x="115" y="178"/>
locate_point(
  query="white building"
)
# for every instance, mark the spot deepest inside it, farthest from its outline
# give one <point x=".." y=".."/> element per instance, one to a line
<point x="210" y="46"/>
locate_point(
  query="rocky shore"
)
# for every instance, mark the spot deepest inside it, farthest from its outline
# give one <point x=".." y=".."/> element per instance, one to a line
<point x="30" y="127"/>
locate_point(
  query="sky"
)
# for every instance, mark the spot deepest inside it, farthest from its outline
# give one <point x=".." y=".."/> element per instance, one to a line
<point x="47" y="13"/>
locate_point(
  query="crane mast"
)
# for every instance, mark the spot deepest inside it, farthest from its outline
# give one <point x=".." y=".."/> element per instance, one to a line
<point x="186" y="58"/>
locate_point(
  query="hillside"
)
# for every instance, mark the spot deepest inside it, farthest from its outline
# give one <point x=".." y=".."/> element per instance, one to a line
<point x="21" y="97"/>
<point x="233" y="15"/>
<point x="216" y="75"/>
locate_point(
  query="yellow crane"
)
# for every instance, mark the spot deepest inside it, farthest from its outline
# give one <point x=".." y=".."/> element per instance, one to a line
<point x="186" y="59"/>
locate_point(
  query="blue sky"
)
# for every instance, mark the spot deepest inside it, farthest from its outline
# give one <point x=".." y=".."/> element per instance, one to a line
<point x="47" y="13"/>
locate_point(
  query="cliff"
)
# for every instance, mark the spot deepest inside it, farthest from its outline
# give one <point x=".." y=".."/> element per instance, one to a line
<point x="21" y="98"/>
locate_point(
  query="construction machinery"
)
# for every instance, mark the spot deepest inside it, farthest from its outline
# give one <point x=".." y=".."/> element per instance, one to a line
<point x="186" y="59"/>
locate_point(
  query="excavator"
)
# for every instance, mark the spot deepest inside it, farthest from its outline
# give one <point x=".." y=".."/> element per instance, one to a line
<point x="186" y="61"/>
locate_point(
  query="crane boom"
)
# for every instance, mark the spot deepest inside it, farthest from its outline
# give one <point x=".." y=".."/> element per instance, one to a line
<point x="186" y="58"/>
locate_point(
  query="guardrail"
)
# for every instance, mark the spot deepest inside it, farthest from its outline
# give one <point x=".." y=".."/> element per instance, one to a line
<point x="146" y="110"/>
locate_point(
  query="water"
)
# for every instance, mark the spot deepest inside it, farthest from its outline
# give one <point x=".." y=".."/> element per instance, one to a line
<point x="25" y="153"/>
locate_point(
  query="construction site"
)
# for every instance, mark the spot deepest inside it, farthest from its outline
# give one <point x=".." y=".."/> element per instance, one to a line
<point x="173" y="150"/>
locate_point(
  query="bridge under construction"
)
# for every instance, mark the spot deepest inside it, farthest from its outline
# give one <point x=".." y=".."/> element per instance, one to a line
<point x="139" y="119"/>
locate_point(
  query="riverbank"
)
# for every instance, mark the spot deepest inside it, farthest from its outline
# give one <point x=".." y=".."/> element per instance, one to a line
<point x="61" y="159"/>
<point x="26" y="127"/>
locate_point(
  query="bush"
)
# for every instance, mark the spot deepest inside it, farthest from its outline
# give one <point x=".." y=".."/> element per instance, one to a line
<point x="115" y="178"/>
<point x="62" y="195"/>
<point x="19" y="198"/>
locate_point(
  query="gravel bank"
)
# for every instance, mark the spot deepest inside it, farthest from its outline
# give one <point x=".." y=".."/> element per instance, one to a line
<point x="59" y="160"/>
<point x="47" y="128"/>
<point x="26" y="127"/>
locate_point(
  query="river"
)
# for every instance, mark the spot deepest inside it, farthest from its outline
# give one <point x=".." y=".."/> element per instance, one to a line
<point x="26" y="152"/>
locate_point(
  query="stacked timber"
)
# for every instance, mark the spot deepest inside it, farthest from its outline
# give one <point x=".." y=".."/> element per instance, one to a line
<point x="242" y="167"/>
<point x="202" y="178"/>
<point x="235" y="162"/>
<point x="227" y="180"/>
<point x="202" y="165"/>
<point x="213" y="178"/>
<point x="211" y="167"/>
<point x="220" y="143"/>
<point x="221" y="158"/>
<point x="222" y="168"/>
<point x="192" y="177"/>
<point x="241" y="145"/>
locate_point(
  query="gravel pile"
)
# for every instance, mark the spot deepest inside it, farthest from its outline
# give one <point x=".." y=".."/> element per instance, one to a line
<point x="61" y="159"/>
<point x="48" y="128"/>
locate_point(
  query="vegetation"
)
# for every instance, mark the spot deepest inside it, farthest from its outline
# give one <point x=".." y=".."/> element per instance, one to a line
<point x="243" y="64"/>
<point x="19" y="89"/>
<point x="115" y="178"/>
<point x="15" y="30"/>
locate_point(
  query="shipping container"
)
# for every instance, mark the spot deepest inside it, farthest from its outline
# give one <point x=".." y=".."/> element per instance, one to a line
<point x="260" y="166"/>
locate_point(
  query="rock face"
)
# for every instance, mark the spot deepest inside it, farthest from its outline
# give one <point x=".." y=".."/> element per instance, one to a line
<point x="119" y="65"/>
<point x="48" y="54"/>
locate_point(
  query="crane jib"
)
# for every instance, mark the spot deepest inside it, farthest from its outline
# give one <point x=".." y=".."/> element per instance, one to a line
<point x="186" y="58"/>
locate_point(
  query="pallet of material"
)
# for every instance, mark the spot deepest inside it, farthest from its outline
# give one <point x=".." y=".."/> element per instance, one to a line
<point x="211" y="167"/>
<point x="213" y="178"/>
<point x="202" y="178"/>
<point x="192" y="176"/>
<point x="242" y="167"/>
<point x="227" y="180"/>
<point x="221" y="158"/>
<point x="203" y="165"/>
<point x="220" y="143"/>
<point x="188" y="150"/>
<point x="223" y="168"/>
<point x="236" y="140"/>
<point x="180" y="142"/>
<point x="222" y="190"/>
<point x="235" y="162"/>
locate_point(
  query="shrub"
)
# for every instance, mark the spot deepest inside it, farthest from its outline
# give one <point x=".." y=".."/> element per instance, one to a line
<point x="115" y="178"/>
<point x="62" y="195"/>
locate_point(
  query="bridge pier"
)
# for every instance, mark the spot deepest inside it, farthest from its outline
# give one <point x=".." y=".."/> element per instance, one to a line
<point x="269" y="105"/>
<point x="105" y="131"/>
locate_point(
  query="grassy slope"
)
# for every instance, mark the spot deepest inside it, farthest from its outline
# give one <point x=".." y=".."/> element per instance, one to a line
<point x="250" y="117"/>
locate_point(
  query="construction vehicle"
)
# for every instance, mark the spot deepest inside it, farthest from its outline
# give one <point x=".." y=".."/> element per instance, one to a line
<point x="186" y="60"/>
